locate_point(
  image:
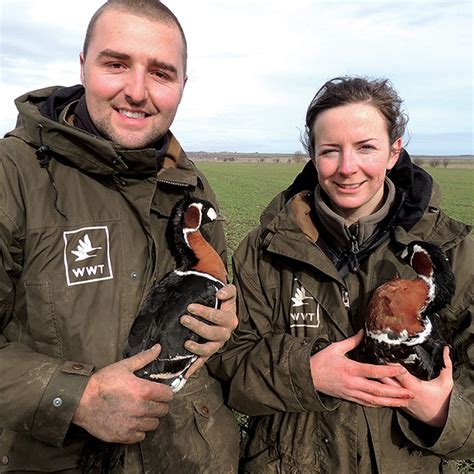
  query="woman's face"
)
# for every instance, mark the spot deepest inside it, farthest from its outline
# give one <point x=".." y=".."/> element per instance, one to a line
<point x="352" y="156"/>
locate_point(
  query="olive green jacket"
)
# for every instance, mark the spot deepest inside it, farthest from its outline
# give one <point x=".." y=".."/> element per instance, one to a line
<point x="81" y="242"/>
<point x="291" y="303"/>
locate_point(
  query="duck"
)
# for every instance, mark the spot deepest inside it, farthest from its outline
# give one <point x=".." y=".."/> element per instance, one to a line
<point x="403" y="324"/>
<point x="199" y="274"/>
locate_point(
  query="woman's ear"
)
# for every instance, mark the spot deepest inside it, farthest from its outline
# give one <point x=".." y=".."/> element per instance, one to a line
<point x="395" y="150"/>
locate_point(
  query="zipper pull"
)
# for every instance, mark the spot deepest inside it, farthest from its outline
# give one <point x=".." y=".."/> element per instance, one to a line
<point x="345" y="299"/>
<point x="354" y="261"/>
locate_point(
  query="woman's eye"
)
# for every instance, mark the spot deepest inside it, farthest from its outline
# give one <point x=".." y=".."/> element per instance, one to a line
<point x="328" y="151"/>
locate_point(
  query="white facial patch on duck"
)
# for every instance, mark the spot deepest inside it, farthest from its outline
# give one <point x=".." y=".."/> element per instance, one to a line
<point x="212" y="214"/>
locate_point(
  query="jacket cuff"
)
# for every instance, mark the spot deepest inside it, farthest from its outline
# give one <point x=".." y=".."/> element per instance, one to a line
<point x="59" y="402"/>
<point x="452" y="437"/>
<point x="301" y="379"/>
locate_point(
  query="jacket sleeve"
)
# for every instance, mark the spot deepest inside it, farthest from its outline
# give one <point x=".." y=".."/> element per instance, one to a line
<point x="456" y="439"/>
<point x="268" y="370"/>
<point x="39" y="394"/>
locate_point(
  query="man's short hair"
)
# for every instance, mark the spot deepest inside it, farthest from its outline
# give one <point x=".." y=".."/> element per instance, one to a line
<point x="150" y="9"/>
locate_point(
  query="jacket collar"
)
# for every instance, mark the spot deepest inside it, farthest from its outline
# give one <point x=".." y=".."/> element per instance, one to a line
<point x="83" y="150"/>
<point x="413" y="184"/>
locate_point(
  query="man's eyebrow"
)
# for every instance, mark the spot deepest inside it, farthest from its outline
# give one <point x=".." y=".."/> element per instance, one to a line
<point x="162" y="65"/>
<point x="111" y="54"/>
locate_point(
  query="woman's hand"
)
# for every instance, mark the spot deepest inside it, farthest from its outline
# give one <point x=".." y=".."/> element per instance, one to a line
<point x="336" y="375"/>
<point x="431" y="401"/>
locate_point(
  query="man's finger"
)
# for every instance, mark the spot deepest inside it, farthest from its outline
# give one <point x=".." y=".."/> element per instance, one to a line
<point x="206" y="331"/>
<point x="195" y="367"/>
<point x="139" y="361"/>
<point x="227" y="292"/>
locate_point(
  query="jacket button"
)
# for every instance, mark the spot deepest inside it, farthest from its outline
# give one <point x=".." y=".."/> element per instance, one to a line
<point x="4" y="460"/>
<point x="205" y="410"/>
<point x="57" y="402"/>
<point x="326" y="440"/>
<point x="77" y="366"/>
<point x="134" y="275"/>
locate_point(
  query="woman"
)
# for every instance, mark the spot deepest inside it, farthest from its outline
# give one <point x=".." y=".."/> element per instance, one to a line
<point x="305" y="276"/>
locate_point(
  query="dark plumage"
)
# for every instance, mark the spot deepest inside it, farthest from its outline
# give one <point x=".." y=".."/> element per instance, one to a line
<point x="402" y="323"/>
<point x="199" y="274"/>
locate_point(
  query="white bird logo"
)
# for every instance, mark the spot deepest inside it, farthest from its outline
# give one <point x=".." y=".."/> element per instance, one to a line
<point x="84" y="248"/>
<point x="300" y="295"/>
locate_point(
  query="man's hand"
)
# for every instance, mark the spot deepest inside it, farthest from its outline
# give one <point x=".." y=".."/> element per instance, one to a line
<point x="118" y="406"/>
<point x="338" y="376"/>
<point x="224" y="322"/>
<point x="431" y="401"/>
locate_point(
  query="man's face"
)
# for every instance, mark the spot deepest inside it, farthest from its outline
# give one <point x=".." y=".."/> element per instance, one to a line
<point x="134" y="77"/>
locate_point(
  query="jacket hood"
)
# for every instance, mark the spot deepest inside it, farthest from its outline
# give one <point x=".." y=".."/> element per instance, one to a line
<point x="41" y="123"/>
<point x="414" y="187"/>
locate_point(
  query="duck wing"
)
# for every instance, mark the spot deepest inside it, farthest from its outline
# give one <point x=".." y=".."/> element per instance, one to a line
<point x="158" y="321"/>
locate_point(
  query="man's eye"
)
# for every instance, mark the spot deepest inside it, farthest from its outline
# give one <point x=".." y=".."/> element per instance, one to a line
<point x="160" y="74"/>
<point x="115" y="65"/>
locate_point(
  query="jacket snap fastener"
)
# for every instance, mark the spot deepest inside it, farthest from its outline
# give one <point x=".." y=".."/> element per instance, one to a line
<point x="57" y="402"/>
<point x="205" y="410"/>
<point x="134" y="275"/>
<point x="77" y="366"/>
<point x="326" y="440"/>
<point x="4" y="460"/>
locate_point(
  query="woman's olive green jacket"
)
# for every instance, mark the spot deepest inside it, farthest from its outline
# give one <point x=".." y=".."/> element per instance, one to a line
<point x="292" y="302"/>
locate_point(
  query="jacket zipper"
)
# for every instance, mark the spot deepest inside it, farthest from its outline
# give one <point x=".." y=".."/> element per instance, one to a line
<point x="345" y="299"/>
<point x="174" y="183"/>
<point x="354" y="261"/>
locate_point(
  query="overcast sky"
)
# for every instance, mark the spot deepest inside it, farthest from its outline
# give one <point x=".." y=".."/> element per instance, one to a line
<point x="254" y="66"/>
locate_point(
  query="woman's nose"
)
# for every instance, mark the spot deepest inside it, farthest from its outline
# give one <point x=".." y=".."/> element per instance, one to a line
<point x="347" y="162"/>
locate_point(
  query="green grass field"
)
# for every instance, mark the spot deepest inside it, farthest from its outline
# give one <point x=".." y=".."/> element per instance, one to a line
<point x="244" y="189"/>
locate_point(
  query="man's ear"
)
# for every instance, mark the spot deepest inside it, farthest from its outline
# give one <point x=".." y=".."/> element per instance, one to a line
<point x="395" y="150"/>
<point x="82" y="60"/>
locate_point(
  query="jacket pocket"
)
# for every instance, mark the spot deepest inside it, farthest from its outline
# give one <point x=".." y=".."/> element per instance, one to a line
<point x="42" y="322"/>
<point x="198" y="436"/>
<point x="216" y="435"/>
<point x="19" y="453"/>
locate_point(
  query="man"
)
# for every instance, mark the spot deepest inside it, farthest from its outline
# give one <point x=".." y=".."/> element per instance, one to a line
<point x="88" y="180"/>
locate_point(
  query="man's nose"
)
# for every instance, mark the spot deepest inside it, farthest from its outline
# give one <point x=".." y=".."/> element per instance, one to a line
<point x="136" y="90"/>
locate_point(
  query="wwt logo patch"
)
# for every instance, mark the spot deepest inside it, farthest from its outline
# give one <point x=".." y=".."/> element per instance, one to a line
<point x="87" y="255"/>
<point x="305" y="311"/>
